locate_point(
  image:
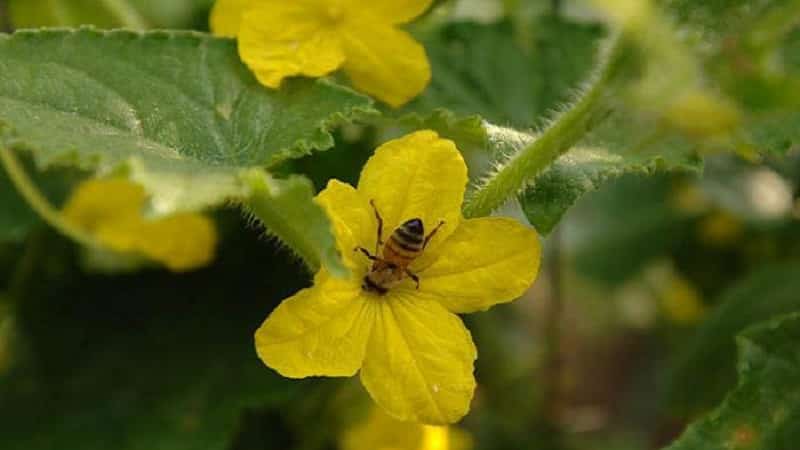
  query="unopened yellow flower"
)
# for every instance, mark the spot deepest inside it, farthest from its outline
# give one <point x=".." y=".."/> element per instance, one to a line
<point x="111" y="211"/>
<point x="382" y="432"/>
<point x="414" y="353"/>
<point x="282" y="38"/>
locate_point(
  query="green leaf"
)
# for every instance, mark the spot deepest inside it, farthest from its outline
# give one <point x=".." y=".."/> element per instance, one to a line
<point x="176" y="111"/>
<point x="98" y="98"/>
<point x="145" y="361"/>
<point x="763" y="411"/>
<point x="704" y="370"/>
<point x="484" y="70"/>
<point x="287" y="209"/>
<point x="137" y="14"/>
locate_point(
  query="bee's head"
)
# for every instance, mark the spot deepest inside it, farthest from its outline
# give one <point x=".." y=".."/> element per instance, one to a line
<point x="414" y="226"/>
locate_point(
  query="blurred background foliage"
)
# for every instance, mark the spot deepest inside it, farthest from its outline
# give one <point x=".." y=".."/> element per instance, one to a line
<point x="627" y="336"/>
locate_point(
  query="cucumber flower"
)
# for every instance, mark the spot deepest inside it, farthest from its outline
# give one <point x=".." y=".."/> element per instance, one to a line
<point x="111" y="211"/>
<point x="281" y="38"/>
<point x="414" y="354"/>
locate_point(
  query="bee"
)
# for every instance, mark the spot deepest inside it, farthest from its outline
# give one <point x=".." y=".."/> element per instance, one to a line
<point x="406" y="244"/>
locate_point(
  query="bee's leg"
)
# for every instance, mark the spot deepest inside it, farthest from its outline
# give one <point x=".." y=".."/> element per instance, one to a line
<point x="366" y="252"/>
<point x="378" y="217"/>
<point x="413" y="276"/>
<point x="430" y="235"/>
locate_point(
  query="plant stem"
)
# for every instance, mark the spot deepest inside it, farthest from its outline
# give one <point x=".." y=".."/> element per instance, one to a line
<point x="560" y="136"/>
<point x="38" y="202"/>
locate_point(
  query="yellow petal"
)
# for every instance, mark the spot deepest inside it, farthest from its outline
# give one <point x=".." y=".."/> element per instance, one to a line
<point x="322" y="330"/>
<point x="385" y="62"/>
<point x="484" y="262"/>
<point x="95" y="203"/>
<point x="417" y="176"/>
<point x="391" y="11"/>
<point x="111" y="210"/>
<point x="226" y="16"/>
<point x="353" y="221"/>
<point x="419" y="361"/>
<point x="383" y="432"/>
<point x="279" y="39"/>
<point x="181" y="242"/>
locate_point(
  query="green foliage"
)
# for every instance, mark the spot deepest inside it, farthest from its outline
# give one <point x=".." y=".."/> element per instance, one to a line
<point x="566" y="112"/>
<point x="704" y="368"/>
<point x="138" y="14"/>
<point x="99" y="98"/>
<point x="287" y="210"/>
<point x="178" y="111"/>
<point x="486" y="70"/>
<point x="17" y="218"/>
<point x="763" y="411"/>
<point x="627" y="225"/>
<point x="586" y="169"/>
<point x="143" y="361"/>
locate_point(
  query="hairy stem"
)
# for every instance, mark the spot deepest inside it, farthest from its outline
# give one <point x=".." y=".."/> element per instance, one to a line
<point x="37" y="201"/>
<point x="567" y="129"/>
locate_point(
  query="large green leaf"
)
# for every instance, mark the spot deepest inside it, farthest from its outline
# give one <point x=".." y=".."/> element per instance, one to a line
<point x="138" y="14"/>
<point x="705" y="370"/>
<point x="177" y="110"/>
<point x="763" y="412"/>
<point x="99" y="98"/>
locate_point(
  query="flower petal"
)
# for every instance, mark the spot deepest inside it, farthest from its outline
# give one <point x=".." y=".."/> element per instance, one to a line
<point x="181" y="242"/>
<point x="97" y="202"/>
<point x="484" y="262"/>
<point x="322" y="330"/>
<point x="419" y="362"/>
<point x="226" y="16"/>
<point x="385" y="62"/>
<point x="279" y="38"/>
<point x="353" y="221"/>
<point x="417" y="176"/>
<point x="391" y="11"/>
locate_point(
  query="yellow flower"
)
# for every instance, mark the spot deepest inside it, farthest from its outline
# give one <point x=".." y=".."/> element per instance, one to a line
<point x="414" y="353"/>
<point x="280" y="38"/>
<point x="111" y="211"/>
<point x="681" y="301"/>
<point x="381" y="432"/>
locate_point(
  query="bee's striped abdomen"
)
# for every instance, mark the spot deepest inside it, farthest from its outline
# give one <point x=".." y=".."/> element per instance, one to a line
<point x="406" y="242"/>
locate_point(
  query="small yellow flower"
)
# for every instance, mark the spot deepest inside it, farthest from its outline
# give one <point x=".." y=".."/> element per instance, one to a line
<point x="414" y="353"/>
<point x="280" y="38"/>
<point x="681" y="301"/>
<point x="382" y="432"/>
<point x="111" y="211"/>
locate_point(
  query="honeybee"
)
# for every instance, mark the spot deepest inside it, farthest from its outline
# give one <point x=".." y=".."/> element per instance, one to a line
<point x="406" y="244"/>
